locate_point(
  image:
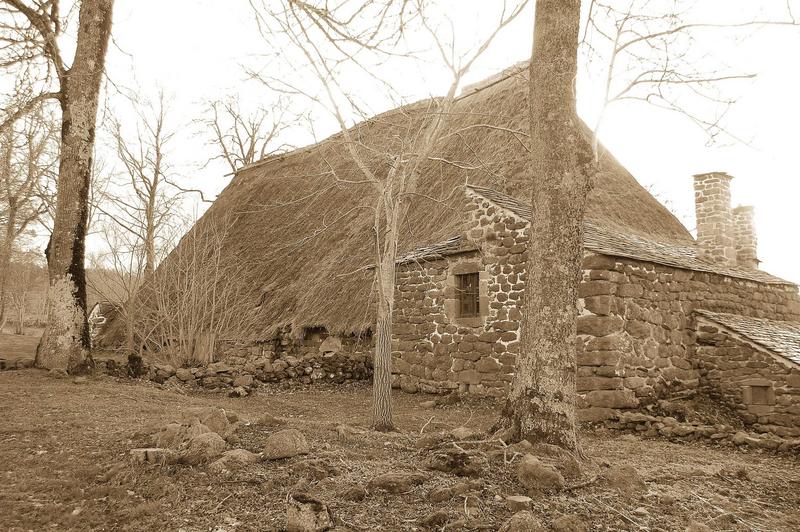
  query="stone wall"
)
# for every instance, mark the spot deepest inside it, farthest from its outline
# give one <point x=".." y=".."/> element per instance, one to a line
<point x="762" y="387"/>
<point x="246" y="364"/>
<point x="636" y="342"/>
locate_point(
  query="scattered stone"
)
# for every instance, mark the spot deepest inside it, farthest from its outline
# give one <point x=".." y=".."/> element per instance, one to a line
<point x="80" y="380"/>
<point x="58" y="373"/>
<point x="243" y="381"/>
<point x="397" y="482"/>
<point x="234" y="459"/>
<point x="641" y="511"/>
<point x="518" y="503"/>
<point x="427" y="405"/>
<point x="435" y="519"/>
<point x="625" y="479"/>
<point x="306" y="514"/>
<point x="440" y="494"/>
<point x="696" y="526"/>
<point x="569" y="523"/>
<point x="196" y="429"/>
<point x="202" y="448"/>
<point x="537" y="477"/>
<point x="153" y="455"/>
<point x="171" y="436"/>
<point x="461" y="488"/>
<point x="239" y="391"/>
<point x="268" y="420"/>
<point x="212" y="417"/>
<point x="285" y="444"/>
<point x="353" y="493"/>
<point x="523" y="521"/>
<point x="184" y="374"/>
<point x="458" y="463"/>
<point x="465" y="433"/>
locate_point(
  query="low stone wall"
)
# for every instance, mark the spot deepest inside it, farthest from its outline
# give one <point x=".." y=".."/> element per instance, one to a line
<point x="719" y="434"/>
<point x="246" y="364"/>
<point x="764" y="390"/>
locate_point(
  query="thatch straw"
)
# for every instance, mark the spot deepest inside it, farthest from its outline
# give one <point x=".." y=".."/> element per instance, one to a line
<point x="307" y="238"/>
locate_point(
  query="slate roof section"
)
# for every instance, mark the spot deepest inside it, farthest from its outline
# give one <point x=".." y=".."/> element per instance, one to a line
<point x="780" y="337"/>
<point x="620" y="243"/>
<point x="451" y="246"/>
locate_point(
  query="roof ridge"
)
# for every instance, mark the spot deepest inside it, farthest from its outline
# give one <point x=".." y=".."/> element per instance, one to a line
<point x="611" y="240"/>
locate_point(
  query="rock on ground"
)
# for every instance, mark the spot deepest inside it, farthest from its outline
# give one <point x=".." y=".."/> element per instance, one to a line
<point x="523" y="521"/>
<point x="212" y="417"/>
<point x="569" y="523"/>
<point x="306" y="514"/>
<point x="153" y="455"/>
<point x="518" y="503"/>
<point x="624" y="478"/>
<point x="285" y="444"/>
<point x="234" y="459"/>
<point x="397" y="482"/>
<point x="202" y="448"/>
<point x="537" y="477"/>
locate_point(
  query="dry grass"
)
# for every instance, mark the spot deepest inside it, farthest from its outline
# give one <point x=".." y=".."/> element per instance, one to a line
<point x="63" y="450"/>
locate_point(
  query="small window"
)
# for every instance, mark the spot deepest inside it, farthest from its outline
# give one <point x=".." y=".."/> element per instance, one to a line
<point x="468" y="294"/>
<point x="759" y="395"/>
<point x="314" y="335"/>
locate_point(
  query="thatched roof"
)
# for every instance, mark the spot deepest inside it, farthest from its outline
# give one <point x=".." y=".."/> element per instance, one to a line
<point x="307" y="239"/>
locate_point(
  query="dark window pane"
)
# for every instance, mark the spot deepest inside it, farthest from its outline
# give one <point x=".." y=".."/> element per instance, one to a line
<point x="468" y="295"/>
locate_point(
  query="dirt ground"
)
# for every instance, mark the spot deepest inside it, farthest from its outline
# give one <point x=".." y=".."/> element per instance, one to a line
<point x="64" y="466"/>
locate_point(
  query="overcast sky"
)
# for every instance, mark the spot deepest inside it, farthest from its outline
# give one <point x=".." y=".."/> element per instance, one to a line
<point x="196" y="50"/>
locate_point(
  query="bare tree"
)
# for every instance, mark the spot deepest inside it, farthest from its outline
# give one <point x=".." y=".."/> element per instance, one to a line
<point x="655" y="53"/>
<point x="145" y="200"/>
<point x="325" y="44"/>
<point x="35" y="32"/>
<point x="28" y="159"/>
<point x="25" y="273"/>
<point x="243" y="138"/>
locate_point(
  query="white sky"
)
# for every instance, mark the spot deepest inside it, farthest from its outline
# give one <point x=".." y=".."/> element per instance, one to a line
<point x="195" y="50"/>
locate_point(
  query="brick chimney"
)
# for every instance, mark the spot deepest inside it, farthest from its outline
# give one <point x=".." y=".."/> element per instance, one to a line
<point x="715" y="232"/>
<point x="744" y="231"/>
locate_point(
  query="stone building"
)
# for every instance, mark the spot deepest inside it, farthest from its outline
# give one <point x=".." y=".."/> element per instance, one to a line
<point x="643" y="304"/>
<point x="303" y="223"/>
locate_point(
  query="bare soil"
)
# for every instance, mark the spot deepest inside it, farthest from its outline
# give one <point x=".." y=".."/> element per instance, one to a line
<point x="64" y="466"/>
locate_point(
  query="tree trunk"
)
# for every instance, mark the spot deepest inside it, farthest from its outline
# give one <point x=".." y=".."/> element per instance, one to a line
<point x="65" y="343"/>
<point x="542" y="402"/>
<point x="382" y="415"/>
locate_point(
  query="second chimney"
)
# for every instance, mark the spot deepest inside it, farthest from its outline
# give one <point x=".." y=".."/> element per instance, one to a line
<point x="715" y="230"/>
<point x="745" y="233"/>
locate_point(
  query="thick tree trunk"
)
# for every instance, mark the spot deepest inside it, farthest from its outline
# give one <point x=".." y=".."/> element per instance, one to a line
<point x="382" y="412"/>
<point x="65" y="343"/>
<point x="542" y="402"/>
